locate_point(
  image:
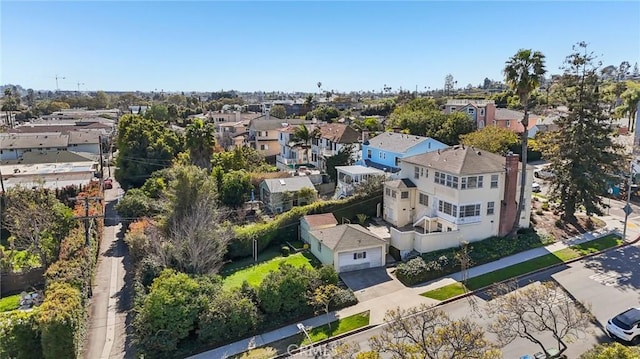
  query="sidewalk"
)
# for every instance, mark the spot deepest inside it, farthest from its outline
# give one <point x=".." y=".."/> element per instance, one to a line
<point x="410" y="296"/>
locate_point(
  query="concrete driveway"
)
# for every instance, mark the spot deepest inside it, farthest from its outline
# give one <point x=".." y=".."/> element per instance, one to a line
<point x="371" y="283"/>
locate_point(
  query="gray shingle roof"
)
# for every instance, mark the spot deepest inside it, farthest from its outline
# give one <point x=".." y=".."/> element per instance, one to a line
<point x="460" y="160"/>
<point x="396" y="142"/>
<point x="506" y="114"/>
<point x="84" y="137"/>
<point x="49" y="157"/>
<point x="347" y="237"/>
<point x="32" y="140"/>
<point x="290" y="184"/>
<point x="400" y="183"/>
<point x="262" y="124"/>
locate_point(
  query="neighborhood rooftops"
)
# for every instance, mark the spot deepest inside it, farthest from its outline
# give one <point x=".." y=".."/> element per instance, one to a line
<point x="263" y="124"/>
<point x="346" y="237"/>
<point x="290" y="184"/>
<point x="397" y="142"/>
<point x="339" y="133"/>
<point x="460" y="160"/>
<point x="39" y="140"/>
<point x="318" y="220"/>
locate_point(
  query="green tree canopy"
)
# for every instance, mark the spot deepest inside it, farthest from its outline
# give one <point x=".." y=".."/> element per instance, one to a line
<point x="278" y="111"/>
<point x="144" y="146"/>
<point x="200" y="141"/>
<point x="492" y="138"/>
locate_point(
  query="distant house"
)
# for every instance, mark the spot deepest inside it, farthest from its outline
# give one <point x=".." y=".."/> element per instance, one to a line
<point x="333" y="137"/>
<point x="385" y="151"/>
<point x="512" y="120"/>
<point x="14" y="145"/>
<point x="346" y="247"/>
<point x="263" y="134"/>
<point x="349" y="177"/>
<point x="281" y="194"/>
<point x="481" y="112"/>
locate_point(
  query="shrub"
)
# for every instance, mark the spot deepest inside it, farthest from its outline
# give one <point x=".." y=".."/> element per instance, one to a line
<point x="328" y="275"/>
<point x="417" y="270"/>
<point x="342" y="299"/>
<point x="228" y="316"/>
<point x="61" y="317"/>
<point x="545" y="206"/>
<point x="137" y="240"/>
<point x="20" y="335"/>
<point x="282" y="293"/>
<point x="559" y="223"/>
<point x="285" y="251"/>
<point x="539" y="212"/>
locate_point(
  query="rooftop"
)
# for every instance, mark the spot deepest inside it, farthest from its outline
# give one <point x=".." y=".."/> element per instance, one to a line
<point x="318" y="220"/>
<point x="398" y="142"/>
<point x="289" y="184"/>
<point x="346" y="237"/>
<point x="359" y="170"/>
<point x="400" y="183"/>
<point x="460" y="160"/>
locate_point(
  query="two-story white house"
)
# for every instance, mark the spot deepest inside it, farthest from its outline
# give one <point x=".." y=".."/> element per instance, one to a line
<point x="332" y="139"/>
<point x="452" y="195"/>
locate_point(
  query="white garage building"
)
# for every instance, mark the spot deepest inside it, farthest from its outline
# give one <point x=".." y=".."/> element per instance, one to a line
<point x="346" y="247"/>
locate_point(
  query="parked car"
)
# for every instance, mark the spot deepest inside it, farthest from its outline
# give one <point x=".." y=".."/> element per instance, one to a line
<point x="626" y="326"/>
<point x="543" y="173"/>
<point x="535" y="187"/>
<point x="108" y="183"/>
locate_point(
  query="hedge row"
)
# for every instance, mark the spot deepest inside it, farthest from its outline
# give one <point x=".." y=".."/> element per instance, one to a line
<point x="56" y="328"/>
<point x="285" y="226"/>
<point x="440" y="263"/>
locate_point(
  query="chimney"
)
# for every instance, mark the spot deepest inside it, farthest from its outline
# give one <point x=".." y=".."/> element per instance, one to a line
<point x="365" y="135"/>
<point x="508" y="205"/>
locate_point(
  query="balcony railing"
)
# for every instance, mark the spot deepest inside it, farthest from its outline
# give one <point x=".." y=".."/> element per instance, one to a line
<point x="287" y="161"/>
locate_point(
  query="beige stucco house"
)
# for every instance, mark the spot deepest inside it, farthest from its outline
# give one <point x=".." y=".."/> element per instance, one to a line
<point x="453" y="195"/>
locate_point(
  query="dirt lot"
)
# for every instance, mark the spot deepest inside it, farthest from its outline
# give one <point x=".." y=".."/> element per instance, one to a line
<point x="546" y="220"/>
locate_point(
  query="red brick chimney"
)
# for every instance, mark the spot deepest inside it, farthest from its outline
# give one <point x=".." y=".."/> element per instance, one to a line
<point x="509" y="204"/>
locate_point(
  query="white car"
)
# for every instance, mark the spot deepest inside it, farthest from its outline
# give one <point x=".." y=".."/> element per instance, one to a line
<point x="543" y="173"/>
<point x="535" y="187"/>
<point x="626" y="326"/>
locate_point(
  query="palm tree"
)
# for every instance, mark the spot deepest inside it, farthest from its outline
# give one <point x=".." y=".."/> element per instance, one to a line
<point x="303" y="136"/>
<point x="523" y="73"/>
<point x="200" y="142"/>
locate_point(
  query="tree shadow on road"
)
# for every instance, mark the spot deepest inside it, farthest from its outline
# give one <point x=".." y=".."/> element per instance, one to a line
<point x="618" y="267"/>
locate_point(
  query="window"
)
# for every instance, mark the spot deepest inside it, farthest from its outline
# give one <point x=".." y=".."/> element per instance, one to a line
<point x="446" y="180"/>
<point x="387" y="191"/>
<point x="360" y="255"/>
<point x="416" y="172"/>
<point x="397" y="161"/>
<point x="423" y="199"/>
<point x="490" y="208"/>
<point x="368" y="153"/>
<point x="319" y="247"/>
<point x="471" y="182"/>
<point x="281" y="136"/>
<point x="448" y="208"/>
<point x="471" y="110"/>
<point x="439" y="227"/>
<point x="404" y="194"/>
<point x="508" y="123"/>
<point x="482" y="112"/>
<point x="494" y="181"/>
<point x="472" y="210"/>
<point x="393" y="194"/>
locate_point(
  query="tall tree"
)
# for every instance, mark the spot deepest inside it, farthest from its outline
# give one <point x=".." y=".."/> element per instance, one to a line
<point x="423" y="332"/>
<point x="448" y="84"/>
<point x="491" y="138"/>
<point x="583" y="154"/>
<point x="278" y="111"/>
<point x="10" y="104"/>
<point x="535" y="311"/>
<point x="630" y="98"/>
<point x="200" y="141"/>
<point x="303" y="136"/>
<point x="523" y="73"/>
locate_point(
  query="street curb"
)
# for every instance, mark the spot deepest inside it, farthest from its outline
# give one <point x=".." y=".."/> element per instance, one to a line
<point x="326" y="341"/>
<point x="462" y="296"/>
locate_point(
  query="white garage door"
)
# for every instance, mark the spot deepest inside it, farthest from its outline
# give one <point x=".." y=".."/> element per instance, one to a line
<point x="356" y="260"/>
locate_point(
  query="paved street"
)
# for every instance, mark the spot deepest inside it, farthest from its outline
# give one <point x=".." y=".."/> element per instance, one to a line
<point x="106" y="337"/>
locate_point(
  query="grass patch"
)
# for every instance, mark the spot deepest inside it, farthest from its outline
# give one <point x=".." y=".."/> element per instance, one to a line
<point x="597" y="245"/>
<point x="446" y="292"/>
<point x="337" y="327"/>
<point x="11" y="302"/>
<point x="547" y="260"/>
<point x="255" y="274"/>
<point x="266" y="255"/>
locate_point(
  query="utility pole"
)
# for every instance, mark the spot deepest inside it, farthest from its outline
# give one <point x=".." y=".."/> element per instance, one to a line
<point x="80" y="83"/>
<point x="87" y="232"/>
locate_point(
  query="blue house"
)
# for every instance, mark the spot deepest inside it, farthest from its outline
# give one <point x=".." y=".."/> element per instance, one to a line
<point x="385" y="151"/>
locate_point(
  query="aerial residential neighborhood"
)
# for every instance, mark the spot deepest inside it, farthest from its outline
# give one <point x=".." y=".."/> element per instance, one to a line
<point x="351" y="180"/>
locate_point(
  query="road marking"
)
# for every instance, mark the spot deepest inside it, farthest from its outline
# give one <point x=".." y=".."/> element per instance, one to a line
<point x="608" y="279"/>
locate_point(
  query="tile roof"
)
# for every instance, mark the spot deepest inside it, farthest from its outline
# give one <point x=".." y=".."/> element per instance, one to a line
<point x="460" y="160"/>
<point x="396" y="142"/>
<point x="400" y="183"/>
<point x="347" y="237"/>
<point x="318" y="220"/>
<point x="339" y="133"/>
<point x="289" y="184"/>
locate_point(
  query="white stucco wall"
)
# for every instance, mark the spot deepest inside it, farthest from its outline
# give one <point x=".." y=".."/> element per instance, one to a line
<point x="344" y="260"/>
<point x="324" y="255"/>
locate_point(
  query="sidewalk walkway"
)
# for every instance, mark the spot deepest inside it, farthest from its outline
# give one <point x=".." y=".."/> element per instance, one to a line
<point x="410" y="296"/>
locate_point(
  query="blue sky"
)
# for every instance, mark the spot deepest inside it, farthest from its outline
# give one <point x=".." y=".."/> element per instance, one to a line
<point x="290" y="46"/>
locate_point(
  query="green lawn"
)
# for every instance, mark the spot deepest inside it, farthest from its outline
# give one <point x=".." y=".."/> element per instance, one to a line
<point x="256" y="273"/>
<point x="446" y="292"/>
<point x="9" y="303"/>
<point x="337" y="327"/>
<point x="597" y="245"/>
<point x="266" y="255"/>
<point x="525" y="267"/>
